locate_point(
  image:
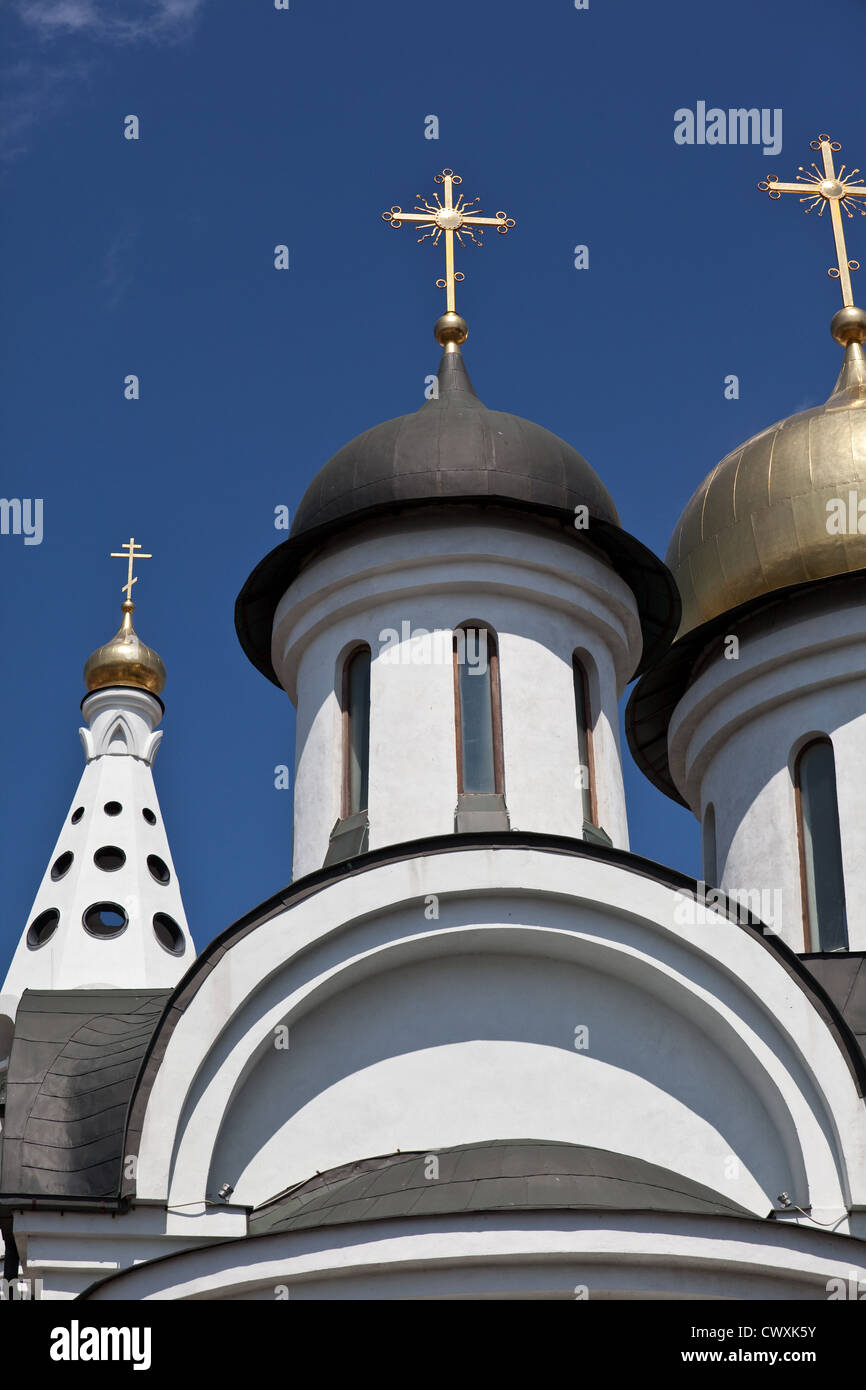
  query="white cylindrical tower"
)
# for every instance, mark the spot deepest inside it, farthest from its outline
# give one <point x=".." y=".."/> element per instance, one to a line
<point x="455" y="615"/>
<point x="531" y="605"/>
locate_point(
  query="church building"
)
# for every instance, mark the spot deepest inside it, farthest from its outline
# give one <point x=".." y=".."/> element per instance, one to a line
<point x="477" y="1048"/>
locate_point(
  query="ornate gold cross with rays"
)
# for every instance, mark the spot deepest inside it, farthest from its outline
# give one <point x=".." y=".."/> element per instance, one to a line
<point x="820" y="188"/>
<point x="130" y="552"/>
<point x="460" y="219"/>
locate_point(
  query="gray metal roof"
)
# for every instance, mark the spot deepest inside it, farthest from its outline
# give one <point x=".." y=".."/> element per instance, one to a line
<point x="453" y="446"/>
<point x="663" y="683"/>
<point x="843" y="976"/>
<point x="72" y="1070"/>
<point x="454" y="451"/>
<point x="498" y="1175"/>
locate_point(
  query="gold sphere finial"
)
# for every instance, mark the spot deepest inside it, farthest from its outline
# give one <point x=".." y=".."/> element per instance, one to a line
<point x="450" y="331"/>
<point x="848" y="325"/>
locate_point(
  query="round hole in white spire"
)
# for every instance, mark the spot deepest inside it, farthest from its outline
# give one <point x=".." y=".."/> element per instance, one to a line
<point x="105" y="920"/>
<point x="109" y="858"/>
<point x="149" y="816"/>
<point x="62" y="865"/>
<point x="112" y="808"/>
<point x="168" y="933"/>
<point x="42" y="928"/>
<point x="158" y="868"/>
<point x="77" y="814"/>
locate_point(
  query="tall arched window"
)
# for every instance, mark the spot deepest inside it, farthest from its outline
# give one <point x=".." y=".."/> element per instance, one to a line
<point x="823" y="884"/>
<point x="586" y="770"/>
<point x="478" y="713"/>
<point x="711" y="869"/>
<point x="356" y="732"/>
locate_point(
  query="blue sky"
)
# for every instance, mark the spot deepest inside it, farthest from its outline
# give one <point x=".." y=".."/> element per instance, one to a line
<point x="155" y="257"/>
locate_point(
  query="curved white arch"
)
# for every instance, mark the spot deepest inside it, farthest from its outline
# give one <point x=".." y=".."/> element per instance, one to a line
<point x="564" y="1255"/>
<point x="723" y="985"/>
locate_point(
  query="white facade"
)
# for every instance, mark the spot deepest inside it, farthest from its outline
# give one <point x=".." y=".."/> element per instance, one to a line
<point x="453" y="1029"/>
<point x="544" y="597"/>
<point x="734" y="739"/>
<point x="701" y="1053"/>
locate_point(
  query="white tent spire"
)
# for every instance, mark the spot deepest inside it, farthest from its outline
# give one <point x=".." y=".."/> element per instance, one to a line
<point x="108" y="912"/>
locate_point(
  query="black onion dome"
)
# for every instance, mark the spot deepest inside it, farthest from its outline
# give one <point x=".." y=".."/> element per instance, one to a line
<point x="453" y="447"/>
<point x="453" y="451"/>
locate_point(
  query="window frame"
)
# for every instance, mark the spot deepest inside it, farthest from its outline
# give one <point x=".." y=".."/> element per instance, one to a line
<point x="580" y="674"/>
<point x="495" y="708"/>
<point x="709" y="841"/>
<point x="812" y="930"/>
<point x="346" y="810"/>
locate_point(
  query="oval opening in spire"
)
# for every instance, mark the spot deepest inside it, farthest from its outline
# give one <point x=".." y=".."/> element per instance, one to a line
<point x="42" y="928"/>
<point x="168" y="933"/>
<point x="105" y="920"/>
<point x="61" y="865"/>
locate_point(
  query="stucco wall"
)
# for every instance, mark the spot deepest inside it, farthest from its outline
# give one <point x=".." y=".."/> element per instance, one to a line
<point x="543" y="596"/>
<point x="733" y="741"/>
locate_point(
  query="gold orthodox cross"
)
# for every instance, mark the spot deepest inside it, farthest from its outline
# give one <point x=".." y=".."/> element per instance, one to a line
<point x="823" y="188"/>
<point x="460" y="219"/>
<point x="129" y="552"/>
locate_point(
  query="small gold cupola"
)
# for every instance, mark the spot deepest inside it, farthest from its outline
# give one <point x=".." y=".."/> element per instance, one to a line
<point x="126" y="660"/>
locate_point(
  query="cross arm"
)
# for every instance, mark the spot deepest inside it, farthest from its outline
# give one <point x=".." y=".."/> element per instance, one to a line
<point x="487" y="221"/>
<point x="773" y="187"/>
<point x="395" y="216"/>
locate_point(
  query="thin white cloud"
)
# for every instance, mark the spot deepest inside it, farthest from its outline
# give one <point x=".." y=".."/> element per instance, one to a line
<point x="37" y="87"/>
<point x="116" y="269"/>
<point x="113" y="21"/>
<point x="31" y="93"/>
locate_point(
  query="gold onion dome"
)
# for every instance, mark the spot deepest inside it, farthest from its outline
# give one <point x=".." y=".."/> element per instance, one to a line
<point x="125" y="660"/>
<point x="761" y="521"/>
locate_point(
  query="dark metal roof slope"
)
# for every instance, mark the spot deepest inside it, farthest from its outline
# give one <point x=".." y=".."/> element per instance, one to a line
<point x="74" y="1062"/>
<point x="663" y="684"/>
<point x="453" y="446"/>
<point x="512" y="1175"/>
<point x="843" y="977"/>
